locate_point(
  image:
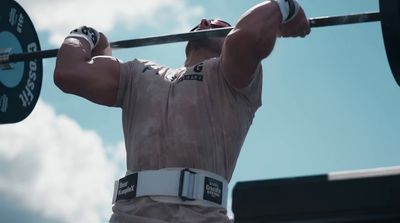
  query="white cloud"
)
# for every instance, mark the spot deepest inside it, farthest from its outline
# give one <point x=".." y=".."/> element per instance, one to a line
<point x="60" y="16"/>
<point x="57" y="169"/>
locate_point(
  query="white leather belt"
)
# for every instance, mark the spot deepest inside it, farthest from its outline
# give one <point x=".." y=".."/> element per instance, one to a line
<point x="186" y="184"/>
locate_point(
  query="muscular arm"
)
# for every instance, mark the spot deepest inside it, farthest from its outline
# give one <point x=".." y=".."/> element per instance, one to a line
<point x="253" y="39"/>
<point x="77" y="72"/>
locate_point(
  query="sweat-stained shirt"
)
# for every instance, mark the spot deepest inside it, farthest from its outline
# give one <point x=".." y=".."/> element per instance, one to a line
<point x="190" y="117"/>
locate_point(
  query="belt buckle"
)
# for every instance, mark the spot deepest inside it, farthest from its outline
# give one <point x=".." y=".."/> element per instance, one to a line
<point x="187" y="185"/>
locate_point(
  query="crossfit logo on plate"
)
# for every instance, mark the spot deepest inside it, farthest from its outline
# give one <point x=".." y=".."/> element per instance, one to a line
<point x="16" y="19"/>
<point x="13" y="17"/>
<point x="3" y="103"/>
<point x="26" y="95"/>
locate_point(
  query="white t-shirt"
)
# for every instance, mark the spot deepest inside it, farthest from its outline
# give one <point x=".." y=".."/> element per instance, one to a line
<point x="188" y="117"/>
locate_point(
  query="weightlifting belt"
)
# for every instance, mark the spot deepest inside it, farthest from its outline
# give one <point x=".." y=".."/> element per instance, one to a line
<point x="188" y="185"/>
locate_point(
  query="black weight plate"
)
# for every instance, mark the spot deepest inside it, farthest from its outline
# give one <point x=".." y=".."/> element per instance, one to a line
<point x="19" y="86"/>
<point x="390" y="16"/>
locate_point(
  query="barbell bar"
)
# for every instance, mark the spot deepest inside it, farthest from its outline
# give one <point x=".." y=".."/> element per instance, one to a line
<point x="201" y="34"/>
<point x="20" y="83"/>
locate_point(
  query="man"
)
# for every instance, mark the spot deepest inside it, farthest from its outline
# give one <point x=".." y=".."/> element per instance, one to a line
<point x="184" y="127"/>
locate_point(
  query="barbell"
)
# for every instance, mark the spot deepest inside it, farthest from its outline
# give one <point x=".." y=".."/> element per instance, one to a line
<point x="21" y="67"/>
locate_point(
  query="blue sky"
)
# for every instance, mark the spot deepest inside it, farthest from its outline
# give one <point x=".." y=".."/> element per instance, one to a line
<point x="330" y="103"/>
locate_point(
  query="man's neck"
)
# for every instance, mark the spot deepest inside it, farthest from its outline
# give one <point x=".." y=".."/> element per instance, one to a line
<point x="199" y="55"/>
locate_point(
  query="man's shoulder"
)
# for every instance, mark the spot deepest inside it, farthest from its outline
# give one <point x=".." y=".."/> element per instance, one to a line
<point x="147" y="63"/>
<point x="143" y="65"/>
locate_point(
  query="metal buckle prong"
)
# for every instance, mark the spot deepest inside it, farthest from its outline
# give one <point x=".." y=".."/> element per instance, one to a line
<point x="186" y="185"/>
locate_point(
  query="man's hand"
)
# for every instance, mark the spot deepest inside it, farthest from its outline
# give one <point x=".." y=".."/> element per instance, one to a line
<point x="80" y="69"/>
<point x="297" y="27"/>
<point x="103" y="47"/>
<point x="97" y="41"/>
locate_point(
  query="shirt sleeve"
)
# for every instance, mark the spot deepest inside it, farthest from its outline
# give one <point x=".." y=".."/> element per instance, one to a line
<point x="253" y="91"/>
<point x="127" y="79"/>
<point x="251" y="94"/>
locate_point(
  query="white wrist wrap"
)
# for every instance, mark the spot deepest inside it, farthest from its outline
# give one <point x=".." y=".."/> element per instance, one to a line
<point x="289" y="9"/>
<point x="87" y="33"/>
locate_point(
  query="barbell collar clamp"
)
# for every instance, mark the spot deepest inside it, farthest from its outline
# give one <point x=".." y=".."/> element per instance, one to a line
<point x="5" y="58"/>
